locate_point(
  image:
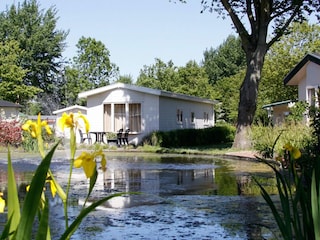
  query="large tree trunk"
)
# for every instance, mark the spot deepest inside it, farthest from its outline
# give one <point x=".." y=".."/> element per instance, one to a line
<point x="248" y="98"/>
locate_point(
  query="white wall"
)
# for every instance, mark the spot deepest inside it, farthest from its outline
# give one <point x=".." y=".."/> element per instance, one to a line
<point x="9" y="112"/>
<point x="149" y="110"/>
<point x="168" y="114"/>
<point x="310" y="80"/>
<point x="155" y="114"/>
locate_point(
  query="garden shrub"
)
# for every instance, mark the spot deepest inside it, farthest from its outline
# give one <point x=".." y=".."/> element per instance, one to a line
<point x="270" y="139"/>
<point x="192" y="137"/>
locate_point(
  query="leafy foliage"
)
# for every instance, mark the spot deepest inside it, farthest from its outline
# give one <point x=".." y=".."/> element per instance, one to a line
<point x="12" y="87"/>
<point x="304" y="38"/>
<point x="253" y="20"/>
<point x="225" y="61"/>
<point x="192" y="137"/>
<point x="91" y="68"/>
<point x="226" y="91"/>
<point x="42" y="44"/>
<point x="127" y="79"/>
<point x="93" y="63"/>
<point x="265" y="138"/>
<point x="160" y="75"/>
<point x="191" y="79"/>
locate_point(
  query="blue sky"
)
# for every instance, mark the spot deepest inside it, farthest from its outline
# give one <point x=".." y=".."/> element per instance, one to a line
<point x="138" y="31"/>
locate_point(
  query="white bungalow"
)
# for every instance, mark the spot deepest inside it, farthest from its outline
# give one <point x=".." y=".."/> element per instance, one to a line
<point x="278" y="111"/>
<point x="9" y="110"/>
<point x="74" y="109"/>
<point x="306" y="75"/>
<point x="144" y="110"/>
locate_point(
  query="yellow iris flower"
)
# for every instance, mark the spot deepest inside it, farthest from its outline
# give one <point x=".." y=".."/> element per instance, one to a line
<point x="35" y="127"/>
<point x="288" y="147"/>
<point x="295" y="152"/>
<point x="52" y="186"/>
<point x="2" y="203"/>
<point x="73" y="120"/>
<point x="103" y="162"/>
<point x="88" y="162"/>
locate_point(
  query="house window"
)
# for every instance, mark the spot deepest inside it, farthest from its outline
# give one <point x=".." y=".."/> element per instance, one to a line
<point x="135" y="117"/>
<point x="312" y="97"/>
<point x="119" y="116"/>
<point x="206" y="117"/>
<point x="107" y="121"/>
<point x="192" y="117"/>
<point x="179" y="115"/>
<point x="122" y="116"/>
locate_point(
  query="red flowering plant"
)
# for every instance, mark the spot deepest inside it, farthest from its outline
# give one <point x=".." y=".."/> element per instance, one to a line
<point x="10" y="132"/>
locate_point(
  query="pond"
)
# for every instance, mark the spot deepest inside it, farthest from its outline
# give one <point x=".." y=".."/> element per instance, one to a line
<point x="182" y="197"/>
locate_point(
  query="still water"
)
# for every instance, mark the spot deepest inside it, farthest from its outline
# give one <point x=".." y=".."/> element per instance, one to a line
<point x="181" y="198"/>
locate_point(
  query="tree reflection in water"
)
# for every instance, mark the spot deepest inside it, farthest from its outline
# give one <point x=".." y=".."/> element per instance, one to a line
<point x="201" y="198"/>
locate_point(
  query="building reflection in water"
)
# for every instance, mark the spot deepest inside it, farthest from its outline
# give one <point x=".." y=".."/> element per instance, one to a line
<point x="155" y="184"/>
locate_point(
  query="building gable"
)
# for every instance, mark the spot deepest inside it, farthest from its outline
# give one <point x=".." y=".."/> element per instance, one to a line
<point x="300" y="70"/>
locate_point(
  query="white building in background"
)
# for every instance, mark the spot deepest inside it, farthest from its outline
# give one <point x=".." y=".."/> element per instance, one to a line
<point x="305" y="75"/>
<point x="9" y="110"/>
<point x="144" y="110"/>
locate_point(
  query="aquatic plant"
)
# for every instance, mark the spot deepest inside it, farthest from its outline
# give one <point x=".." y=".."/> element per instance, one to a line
<point x="20" y="220"/>
<point x="298" y="213"/>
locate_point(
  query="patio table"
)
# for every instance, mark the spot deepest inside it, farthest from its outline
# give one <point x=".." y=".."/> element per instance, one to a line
<point x="99" y="136"/>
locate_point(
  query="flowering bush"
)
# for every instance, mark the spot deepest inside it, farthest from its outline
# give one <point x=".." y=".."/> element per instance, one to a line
<point x="10" y="132"/>
<point x="20" y="223"/>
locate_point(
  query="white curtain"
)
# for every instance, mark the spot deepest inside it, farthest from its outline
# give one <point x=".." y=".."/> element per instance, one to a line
<point x="135" y="117"/>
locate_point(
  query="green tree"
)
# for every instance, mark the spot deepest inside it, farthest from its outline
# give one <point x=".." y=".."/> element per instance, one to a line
<point x="253" y="20"/>
<point x="127" y="79"/>
<point x="73" y="85"/>
<point x="282" y="57"/>
<point x="42" y="44"/>
<point x="93" y="64"/>
<point x="160" y="75"/>
<point x="193" y="80"/>
<point x="226" y="60"/>
<point x="226" y="91"/>
<point x="12" y="87"/>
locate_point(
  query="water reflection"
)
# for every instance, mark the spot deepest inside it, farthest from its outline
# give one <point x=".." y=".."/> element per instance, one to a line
<point x="181" y="198"/>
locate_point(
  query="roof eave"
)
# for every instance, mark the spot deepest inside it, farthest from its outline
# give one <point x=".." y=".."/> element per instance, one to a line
<point x="291" y="75"/>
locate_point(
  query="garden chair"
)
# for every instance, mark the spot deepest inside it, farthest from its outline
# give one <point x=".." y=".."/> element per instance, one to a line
<point x="119" y="136"/>
<point x="125" y="137"/>
<point x="85" y="136"/>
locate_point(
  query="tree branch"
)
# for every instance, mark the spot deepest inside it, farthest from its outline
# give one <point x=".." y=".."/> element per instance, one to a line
<point x="283" y="28"/>
<point x="242" y="31"/>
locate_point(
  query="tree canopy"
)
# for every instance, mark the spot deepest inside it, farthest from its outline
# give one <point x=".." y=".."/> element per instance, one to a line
<point x="224" y="61"/>
<point x="42" y="44"/>
<point x="12" y="87"/>
<point x="93" y="63"/>
<point x="190" y="79"/>
<point x="160" y="75"/>
<point x="259" y="25"/>
<point x="303" y="38"/>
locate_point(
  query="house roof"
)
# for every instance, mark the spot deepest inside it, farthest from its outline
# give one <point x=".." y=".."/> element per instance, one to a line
<point x="144" y="90"/>
<point x="70" y="108"/>
<point x="297" y="73"/>
<point x="4" y="103"/>
<point x="278" y="104"/>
